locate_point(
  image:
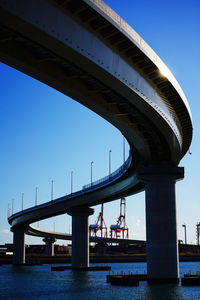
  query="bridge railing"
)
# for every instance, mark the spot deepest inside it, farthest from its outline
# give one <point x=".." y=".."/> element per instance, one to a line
<point x="86" y="188"/>
<point x="112" y="176"/>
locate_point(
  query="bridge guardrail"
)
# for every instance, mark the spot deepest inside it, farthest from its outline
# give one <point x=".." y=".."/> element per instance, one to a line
<point x="110" y="177"/>
<point x="86" y="188"/>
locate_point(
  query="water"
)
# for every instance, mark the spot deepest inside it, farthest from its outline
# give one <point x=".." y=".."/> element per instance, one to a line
<point x="39" y="282"/>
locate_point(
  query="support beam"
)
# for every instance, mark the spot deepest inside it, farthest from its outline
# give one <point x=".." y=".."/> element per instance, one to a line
<point x="161" y="224"/>
<point x="49" y="247"/>
<point x="18" y="246"/>
<point x="80" y="236"/>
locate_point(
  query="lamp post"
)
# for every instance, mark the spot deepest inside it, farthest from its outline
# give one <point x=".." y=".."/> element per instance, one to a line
<point x="51" y="190"/>
<point x="72" y="173"/>
<point x="36" y="192"/>
<point x="91" y="164"/>
<point x="110" y="163"/>
<point x="12" y="206"/>
<point x="22" y="201"/>
<point x="184" y="226"/>
<point x="8" y="210"/>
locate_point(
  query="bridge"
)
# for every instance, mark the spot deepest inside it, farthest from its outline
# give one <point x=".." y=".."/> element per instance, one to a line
<point x="51" y="236"/>
<point x="83" y="49"/>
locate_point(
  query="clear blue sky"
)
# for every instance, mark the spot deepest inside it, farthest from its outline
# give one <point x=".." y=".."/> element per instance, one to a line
<point x="44" y="134"/>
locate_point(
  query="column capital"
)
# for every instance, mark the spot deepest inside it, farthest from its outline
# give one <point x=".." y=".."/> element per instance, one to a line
<point x="80" y="211"/>
<point x="160" y="173"/>
<point x="49" y="240"/>
<point x="18" y="229"/>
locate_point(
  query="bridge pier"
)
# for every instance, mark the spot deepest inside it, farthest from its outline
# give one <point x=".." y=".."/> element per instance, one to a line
<point x="80" y="235"/>
<point x="18" y="246"/>
<point x="49" y="245"/>
<point x="161" y="224"/>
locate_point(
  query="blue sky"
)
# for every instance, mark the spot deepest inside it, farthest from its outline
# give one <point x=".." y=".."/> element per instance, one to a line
<point x="45" y="135"/>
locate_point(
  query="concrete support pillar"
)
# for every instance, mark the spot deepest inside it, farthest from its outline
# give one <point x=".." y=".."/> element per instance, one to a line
<point x="161" y="224"/>
<point x="80" y="235"/>
<point x="18" y="246"/>
<point x="49" y="245"/>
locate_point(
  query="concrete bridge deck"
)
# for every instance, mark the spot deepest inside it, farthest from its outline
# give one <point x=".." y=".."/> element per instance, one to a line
<point x="85" y="50"/>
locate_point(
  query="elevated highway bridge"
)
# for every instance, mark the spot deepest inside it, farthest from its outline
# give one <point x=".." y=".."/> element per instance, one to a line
<point x="85" y="50"/>
<point x="68" y="237"/>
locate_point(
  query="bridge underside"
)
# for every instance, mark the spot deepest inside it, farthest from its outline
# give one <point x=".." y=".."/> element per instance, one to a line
<point x="84" y="50"/>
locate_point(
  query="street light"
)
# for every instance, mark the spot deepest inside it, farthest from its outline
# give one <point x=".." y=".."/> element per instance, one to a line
<point x="36" y="191"/>
<point x="8" y="210"/>
<point x="184" y="226"/>
<point x="12" y="206"/>
<point x="66" y="188"/>
<point x="110" y="162"/>
<point x="51" y="190"/>
<point x="22" y="201"/>
<point x="72" y="172"/>
<point x="91" y="164"/>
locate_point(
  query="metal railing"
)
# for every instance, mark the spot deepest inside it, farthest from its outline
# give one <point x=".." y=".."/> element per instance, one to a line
<point x="112" y="176"/>
<point x="86" y="188"/>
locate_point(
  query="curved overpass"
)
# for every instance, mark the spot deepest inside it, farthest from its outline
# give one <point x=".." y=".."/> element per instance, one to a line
<point x="93" y="239"/>
<point x="85" y="50"/>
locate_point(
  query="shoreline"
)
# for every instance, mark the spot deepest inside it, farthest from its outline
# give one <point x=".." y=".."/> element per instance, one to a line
<point x="94" y="258"/>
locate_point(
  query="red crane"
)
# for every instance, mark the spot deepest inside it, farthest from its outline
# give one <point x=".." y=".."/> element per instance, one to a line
<point x="100" y="225"/>
<point x="120" y="228"/>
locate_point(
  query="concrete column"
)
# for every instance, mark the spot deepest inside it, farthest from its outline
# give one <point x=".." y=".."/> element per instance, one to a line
<point x="49" y="247"/>
<point x="161" y="224"/>
<point x="80" y="235"/>
<point x="18" y="246"/>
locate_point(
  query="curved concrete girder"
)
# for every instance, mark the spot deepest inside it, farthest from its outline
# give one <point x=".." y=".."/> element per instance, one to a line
<point x="151" y="112"/>
<point x="38" y="32"/>
<point x="60" y="205"/>
<point x="81" y="51"/>
<point x="109" y="14"/>
<point x="38" y="232"/>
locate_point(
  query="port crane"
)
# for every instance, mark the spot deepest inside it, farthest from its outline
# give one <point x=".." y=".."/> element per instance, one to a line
<point x="120" y="229"/>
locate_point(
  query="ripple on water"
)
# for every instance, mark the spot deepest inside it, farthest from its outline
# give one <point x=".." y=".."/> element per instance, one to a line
<point x="39" y="282"/>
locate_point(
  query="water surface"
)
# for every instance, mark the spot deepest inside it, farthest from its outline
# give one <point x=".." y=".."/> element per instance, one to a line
<point x="39" y="282"/>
